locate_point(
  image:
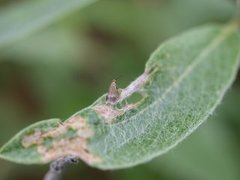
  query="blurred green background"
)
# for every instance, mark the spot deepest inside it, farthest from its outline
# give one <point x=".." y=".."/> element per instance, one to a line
<point x="66" y="65"/>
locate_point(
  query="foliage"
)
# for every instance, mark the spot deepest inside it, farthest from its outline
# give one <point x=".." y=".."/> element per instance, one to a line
<point x="202" y="62"/>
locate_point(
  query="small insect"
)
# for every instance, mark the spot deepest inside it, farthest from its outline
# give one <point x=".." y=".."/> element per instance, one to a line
<point x="116" y="95"/>
<point x="113" y="93"/>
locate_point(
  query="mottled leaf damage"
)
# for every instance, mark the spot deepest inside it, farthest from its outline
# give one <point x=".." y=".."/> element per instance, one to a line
<point x="108" y="111"/>
<point x="61" y="145"/>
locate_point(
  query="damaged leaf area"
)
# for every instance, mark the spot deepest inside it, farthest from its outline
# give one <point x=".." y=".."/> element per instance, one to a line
<point x="49" y="140"/>
<point x="68" y="138"/>
<point x="183" y="82"/>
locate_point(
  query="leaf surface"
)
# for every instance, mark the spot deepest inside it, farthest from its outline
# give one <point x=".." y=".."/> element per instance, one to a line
<point x="183" y="82"/>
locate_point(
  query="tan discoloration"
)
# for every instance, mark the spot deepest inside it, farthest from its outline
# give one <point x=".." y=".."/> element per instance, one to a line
<point x="32" y="139"/>
<point x="115" y="95"/>
<point x="75" y="122"/>
<point x="60" y="146"/>
<point x="109" y="113"/>
<point x="61" y="129"/>
<point x="76" y="146"/>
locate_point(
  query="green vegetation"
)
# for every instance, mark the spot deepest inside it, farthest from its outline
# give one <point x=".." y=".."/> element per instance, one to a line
<point x="53" y="65"/>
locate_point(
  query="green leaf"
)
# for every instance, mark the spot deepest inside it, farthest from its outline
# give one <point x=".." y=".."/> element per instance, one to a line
<point x="16" y="23"/>
<point x="184" y="80"/>
<point x="209" y="154"/>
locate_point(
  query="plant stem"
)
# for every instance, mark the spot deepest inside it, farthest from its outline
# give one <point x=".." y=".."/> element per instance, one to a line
<point x="56" y="167"/>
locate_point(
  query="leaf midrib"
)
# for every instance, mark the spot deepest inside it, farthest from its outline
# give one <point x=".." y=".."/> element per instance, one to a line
<point x="200" y="58"/>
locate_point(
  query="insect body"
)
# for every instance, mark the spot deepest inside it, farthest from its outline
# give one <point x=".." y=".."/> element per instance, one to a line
<point x="116" y="95"/>
<point x="113" y="93"/>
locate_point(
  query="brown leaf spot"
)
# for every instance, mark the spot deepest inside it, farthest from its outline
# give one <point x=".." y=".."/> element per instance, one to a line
<point x="62" y="146"/>
<point x="109" y="113"/>
<point x="32" y="139"/>
<point x="76" y="146"/>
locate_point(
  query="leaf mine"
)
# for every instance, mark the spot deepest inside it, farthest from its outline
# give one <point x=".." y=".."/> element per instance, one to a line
<point x="32" y="139"/>
<point x="185" y="79"/>
<point x="109" y="112"/>
<point x="60" y="145"/>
